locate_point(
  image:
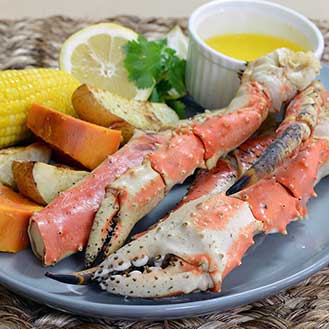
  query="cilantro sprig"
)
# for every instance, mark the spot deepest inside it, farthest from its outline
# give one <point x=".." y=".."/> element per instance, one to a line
<point x="153" y="64"/>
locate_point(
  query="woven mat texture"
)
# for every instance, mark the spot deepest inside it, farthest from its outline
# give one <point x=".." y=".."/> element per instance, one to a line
<point x="36" y="43"/>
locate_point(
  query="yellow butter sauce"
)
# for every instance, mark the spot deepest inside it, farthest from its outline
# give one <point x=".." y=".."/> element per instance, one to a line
<point x="248" y="46"/>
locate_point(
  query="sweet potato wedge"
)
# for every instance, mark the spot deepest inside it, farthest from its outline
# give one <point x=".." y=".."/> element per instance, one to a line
<point x="109" y="110"/>
<point x="33" y="152"/>
<point x="15" y="212"/>
<point x="42" y="182"/>
<point x="84" y="142"/>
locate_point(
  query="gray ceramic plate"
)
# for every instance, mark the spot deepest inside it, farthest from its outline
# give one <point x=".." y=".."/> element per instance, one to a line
<point x="275" y="262"/>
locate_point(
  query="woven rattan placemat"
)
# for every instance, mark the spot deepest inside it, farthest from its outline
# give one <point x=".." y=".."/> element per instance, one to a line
<point x="36" y="42"/>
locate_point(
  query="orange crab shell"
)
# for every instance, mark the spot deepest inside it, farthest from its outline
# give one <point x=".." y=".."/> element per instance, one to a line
<point x="179" y="158"/>
<point x="208" y="181"/>
<point x="222" y="133"/>
<point x="300" y="173"/>
<point x="271" y="204"/>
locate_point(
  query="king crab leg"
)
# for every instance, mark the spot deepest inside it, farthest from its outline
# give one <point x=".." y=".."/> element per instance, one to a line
<point x="205" y="238"/>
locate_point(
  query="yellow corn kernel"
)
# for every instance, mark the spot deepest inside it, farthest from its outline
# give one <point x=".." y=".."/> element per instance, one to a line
<point x="19" y="89"/>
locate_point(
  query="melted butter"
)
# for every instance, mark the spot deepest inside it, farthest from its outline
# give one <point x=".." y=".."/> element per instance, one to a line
<point x="248" y="47"/>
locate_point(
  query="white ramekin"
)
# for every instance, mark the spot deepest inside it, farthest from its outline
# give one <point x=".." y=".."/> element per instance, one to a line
<point x="211" y="77"/>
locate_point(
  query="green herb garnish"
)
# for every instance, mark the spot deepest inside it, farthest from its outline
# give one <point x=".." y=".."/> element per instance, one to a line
<point x="153" y="64"/>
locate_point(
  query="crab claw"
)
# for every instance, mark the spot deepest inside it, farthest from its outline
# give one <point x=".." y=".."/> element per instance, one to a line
<point x="301" y="119"/>
<point x="177" y="278"/>
<point x="193" y="249"/>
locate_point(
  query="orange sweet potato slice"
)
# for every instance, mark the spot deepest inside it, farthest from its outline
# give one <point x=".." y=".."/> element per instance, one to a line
<point x="15" y="212"/>
<point x="82" y="141"/>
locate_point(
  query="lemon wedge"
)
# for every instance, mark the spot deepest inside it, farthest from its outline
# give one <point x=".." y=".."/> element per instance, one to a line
<point x="94" y="55"/>
<point x="178" y="40"/>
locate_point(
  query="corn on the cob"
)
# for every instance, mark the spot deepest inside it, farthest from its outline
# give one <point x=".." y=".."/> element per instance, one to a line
<point x="19" y="89"/>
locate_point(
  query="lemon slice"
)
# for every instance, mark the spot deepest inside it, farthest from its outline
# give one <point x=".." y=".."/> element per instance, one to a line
<point x="94" y="56"/>
<point x="178" y="41"/>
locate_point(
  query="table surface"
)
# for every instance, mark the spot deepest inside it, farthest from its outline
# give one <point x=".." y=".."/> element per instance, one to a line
<point x="104" y="8"/>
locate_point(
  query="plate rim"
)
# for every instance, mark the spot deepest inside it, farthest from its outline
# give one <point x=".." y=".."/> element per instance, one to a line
<point x="162" y="311"/>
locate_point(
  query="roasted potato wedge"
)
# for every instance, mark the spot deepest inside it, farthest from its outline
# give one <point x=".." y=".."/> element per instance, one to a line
<point x="109" y="110"/>
<point x="34" y="152"/>
<point x="43" y="182"/>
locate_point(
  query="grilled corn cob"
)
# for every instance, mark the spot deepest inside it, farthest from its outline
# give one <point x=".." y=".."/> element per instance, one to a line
<point x="20" y="88"/>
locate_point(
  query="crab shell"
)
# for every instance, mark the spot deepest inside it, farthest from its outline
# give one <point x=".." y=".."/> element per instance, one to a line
<point x="201" y="141"/>
<point x="208" y="234"/>
<point x="207" y="237"/>
<point x="177" y="156"/>
<point x="200" y="242"/>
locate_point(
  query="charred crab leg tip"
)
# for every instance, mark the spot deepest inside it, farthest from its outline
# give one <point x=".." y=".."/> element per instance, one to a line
<point x="64" y="278"/>
<point x="80" y="278"/>
<point x="276" y="153"/>
<point x="240" y="184"/>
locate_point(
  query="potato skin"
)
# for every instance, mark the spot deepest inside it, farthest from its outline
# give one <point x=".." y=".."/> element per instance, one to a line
<point x="42" y="182"/>
<point x="90" y="109"/>
<point x="34" y="152"/>
<point x="109" y="110"/>
<point x="23" y="176"/>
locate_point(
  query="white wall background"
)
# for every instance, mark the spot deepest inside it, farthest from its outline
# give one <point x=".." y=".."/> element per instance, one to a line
<point x="104" y="8"/>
